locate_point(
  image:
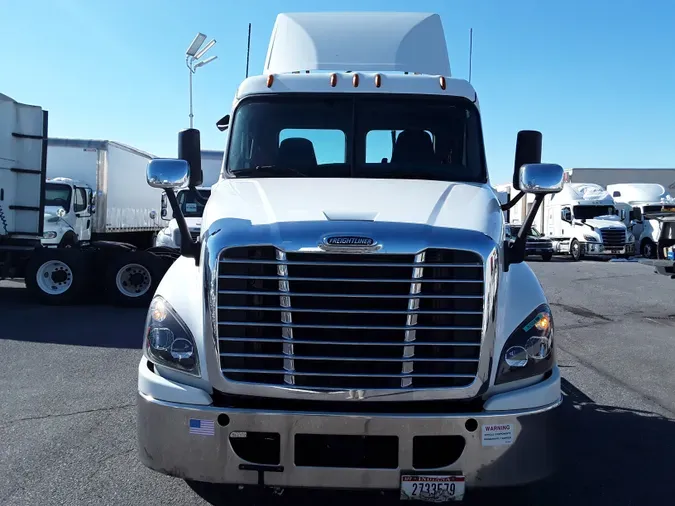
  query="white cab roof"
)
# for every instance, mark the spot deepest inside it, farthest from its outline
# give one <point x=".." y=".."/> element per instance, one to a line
<point x="358" y="41"/>
<point x="583" y="192"/>
<point x="637" y="192"/>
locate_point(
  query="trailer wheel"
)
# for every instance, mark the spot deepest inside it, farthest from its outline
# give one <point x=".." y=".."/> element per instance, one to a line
<point x="57" y="276"/>
<point x="133" y="277"/>
<point x="575" y="250"/>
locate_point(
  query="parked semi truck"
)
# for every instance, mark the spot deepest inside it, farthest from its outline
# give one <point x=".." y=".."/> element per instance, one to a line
<point x="78" y="216"/>
<point x="346" y="323"/>
<point x="664" y="263"/>
<point x="633" y="202"/>
<point x="582" y="220"/>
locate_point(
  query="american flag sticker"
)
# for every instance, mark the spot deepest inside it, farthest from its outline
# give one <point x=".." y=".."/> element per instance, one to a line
<point x="202" y="427"/>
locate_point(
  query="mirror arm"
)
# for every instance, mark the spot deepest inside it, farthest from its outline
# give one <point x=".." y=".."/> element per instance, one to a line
<point x="188" y="247"/>
<point x="514" y="252"/>
<point x="202" y="200"/>
<point x="513" y="202"/>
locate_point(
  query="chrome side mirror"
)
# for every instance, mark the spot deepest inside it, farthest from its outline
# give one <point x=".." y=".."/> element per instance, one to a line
<point x="167" y="173"/>
<point x="61" y="212"/>
<point x="153" y="214"/>
<point x="541" y="178"/>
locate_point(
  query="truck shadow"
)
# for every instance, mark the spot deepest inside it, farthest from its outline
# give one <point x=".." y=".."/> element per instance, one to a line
<point x="610" y="456"/>
<point x="91" y="325"/>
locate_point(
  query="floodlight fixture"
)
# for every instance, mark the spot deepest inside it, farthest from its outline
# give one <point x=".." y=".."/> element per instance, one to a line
<point x="204" y="62"/>
<point x="205" y="49"/>
<point x="195" y="45"/>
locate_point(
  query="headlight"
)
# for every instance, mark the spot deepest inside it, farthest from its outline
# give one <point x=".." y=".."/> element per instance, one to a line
<point x="590" y="238"/>
<point x="49" y="235"/>
<point x="529" y="350"/>
<point x="168" y="341"/>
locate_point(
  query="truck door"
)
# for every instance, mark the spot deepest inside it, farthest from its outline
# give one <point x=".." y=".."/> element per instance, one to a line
<point x="81" y="208"/>
<point x="638" y="222"/>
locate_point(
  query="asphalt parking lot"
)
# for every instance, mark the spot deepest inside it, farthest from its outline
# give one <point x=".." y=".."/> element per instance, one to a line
<point x="68" y="384"/>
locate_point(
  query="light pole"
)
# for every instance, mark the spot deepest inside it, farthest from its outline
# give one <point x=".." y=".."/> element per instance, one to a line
<point x="192" y="55"/>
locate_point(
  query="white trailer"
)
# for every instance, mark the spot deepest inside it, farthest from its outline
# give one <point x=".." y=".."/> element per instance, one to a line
<point x="95" y="191"/>
<point x="23" y="159"/>
<point x="634" y="201"/>
<point x="581" y="221"/>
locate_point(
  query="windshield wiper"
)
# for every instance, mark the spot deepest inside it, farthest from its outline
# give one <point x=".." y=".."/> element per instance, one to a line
<point x="272" y="170"/>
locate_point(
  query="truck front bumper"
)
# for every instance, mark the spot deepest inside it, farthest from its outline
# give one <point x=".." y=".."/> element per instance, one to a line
<point x="215" y="450"/>
<point x="599" y="249"/>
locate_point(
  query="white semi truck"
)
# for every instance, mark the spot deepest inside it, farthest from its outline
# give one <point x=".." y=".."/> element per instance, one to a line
<point x="582" y="220"/>
<point x="87" y="197"/>
<point x="191" y="203"/>
<point x="352" y="315"/>
<point x="633" y="202"/>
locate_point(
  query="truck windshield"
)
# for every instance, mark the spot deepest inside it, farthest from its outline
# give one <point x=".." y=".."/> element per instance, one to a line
<point x="57" y="194"/>
<point x="189" y="204"/>
<point x="590" y="212"/>
<point x="393" y="136"/>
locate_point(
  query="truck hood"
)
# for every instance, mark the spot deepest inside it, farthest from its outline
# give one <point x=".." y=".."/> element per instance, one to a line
<point x="263" y="201"/>
<point x="604" y="222"/>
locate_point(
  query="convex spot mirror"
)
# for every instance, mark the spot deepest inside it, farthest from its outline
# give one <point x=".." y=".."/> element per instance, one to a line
<point x="168" y="173"/>
<point x="541" y="178"/>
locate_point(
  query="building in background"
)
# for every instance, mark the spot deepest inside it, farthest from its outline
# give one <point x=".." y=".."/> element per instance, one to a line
<point x="603" y="177"/>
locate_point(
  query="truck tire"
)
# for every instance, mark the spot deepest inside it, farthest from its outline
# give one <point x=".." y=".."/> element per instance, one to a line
<point x="546" y="257"/>
<point x="575" y="250"/>
<point x="648" y="248"/>
<point x="132" y="278"/>
<point x="57" y="276"/>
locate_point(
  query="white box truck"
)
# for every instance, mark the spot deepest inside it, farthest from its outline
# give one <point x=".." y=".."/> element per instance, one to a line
<point x="353" y="315"/>
<point x="100" y="214"/>
<point x="94" y="191"/>
<point x="582" y="220"/>
<point x="634" y="201"/>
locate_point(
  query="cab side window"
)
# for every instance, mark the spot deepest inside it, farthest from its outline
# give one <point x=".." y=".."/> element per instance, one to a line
<point x="80" y="200"/>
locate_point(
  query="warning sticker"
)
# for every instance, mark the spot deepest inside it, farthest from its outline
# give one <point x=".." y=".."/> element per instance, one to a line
<point x="498" y="434"/>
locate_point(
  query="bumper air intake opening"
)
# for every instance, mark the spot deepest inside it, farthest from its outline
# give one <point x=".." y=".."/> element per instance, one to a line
<point x="257" y="447"/>
<point x="431" y="452"/>
<point x="361" y="452"/>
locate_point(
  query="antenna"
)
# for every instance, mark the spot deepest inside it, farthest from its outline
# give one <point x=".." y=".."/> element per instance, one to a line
<point x="470" y="51"/>
<point x="248" y="50"/>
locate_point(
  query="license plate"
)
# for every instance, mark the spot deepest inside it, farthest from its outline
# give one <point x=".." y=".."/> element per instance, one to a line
<point x="613" y="251"/>
<point x="432" y="487"/>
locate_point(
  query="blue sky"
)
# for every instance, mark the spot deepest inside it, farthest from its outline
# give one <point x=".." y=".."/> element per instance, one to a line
<point x="596" y="77"/>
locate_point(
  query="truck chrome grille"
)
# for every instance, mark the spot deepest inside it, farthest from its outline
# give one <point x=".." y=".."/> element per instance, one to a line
<point x="614" y="237"/>
<point x="347" y="321"/>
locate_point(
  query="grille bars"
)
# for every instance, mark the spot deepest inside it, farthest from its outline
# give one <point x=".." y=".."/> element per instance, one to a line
<point x="411" y="321"/>
<point x="287" y="318"/>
